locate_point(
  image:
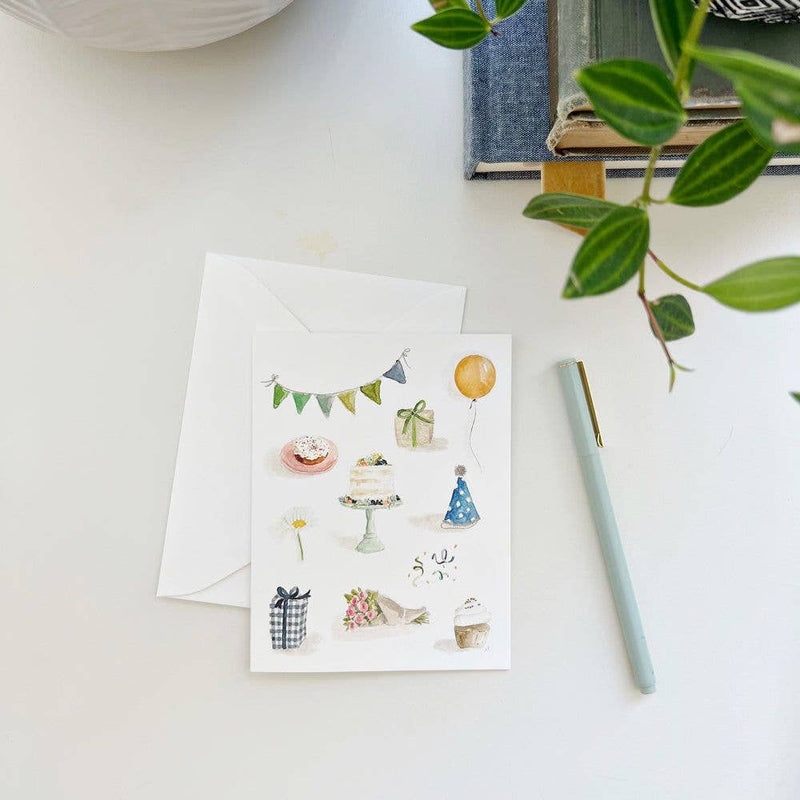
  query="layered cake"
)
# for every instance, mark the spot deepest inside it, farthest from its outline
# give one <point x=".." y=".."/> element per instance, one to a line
<point x="471" y="624"/>
<point x="311" y="450"/>
<point x="372" y="482"/>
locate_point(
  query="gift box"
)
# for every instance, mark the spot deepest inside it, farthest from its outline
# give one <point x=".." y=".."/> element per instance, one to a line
<point x="287" y="618"/>
<point x="413" y="427"/>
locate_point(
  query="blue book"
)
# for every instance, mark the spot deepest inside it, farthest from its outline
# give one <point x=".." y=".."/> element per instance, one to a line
<point x="522" y="108"/>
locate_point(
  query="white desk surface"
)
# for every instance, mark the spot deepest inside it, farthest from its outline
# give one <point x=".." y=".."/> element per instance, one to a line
<point x="332" y="135"/>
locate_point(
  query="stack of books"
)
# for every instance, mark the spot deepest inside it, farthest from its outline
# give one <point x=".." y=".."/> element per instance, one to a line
<point x="523" y="106"/>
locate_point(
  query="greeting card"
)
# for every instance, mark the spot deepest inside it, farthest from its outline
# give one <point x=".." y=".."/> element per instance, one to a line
<point x="381" y="502"/>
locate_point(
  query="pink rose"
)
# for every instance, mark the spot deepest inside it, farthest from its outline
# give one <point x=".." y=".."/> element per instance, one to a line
<point x="354" y="601"/>
<point x="360" y="618"/>
<point x="351" y="626"/>
<point x="371" y="614"/>
<point x="363" y="606"/>
<point x="362" y="596"/>
<point x="351" y="611"/>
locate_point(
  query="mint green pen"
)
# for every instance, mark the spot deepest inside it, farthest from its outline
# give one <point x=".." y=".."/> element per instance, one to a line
<point x="588" y="442"/>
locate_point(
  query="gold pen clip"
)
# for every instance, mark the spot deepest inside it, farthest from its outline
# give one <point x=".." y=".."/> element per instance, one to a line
<point x="598" y="437"/>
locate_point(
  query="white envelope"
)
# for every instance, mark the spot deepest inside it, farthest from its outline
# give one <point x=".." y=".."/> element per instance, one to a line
<point x="207" y="543"/>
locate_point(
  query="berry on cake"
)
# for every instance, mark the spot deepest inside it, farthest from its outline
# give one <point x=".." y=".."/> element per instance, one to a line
<point x="372" y="482"/>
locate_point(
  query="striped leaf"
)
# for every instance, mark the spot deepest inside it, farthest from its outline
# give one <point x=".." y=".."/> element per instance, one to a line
<point x="769" y="91"/>
<point x="671" y="19"/>
<point x="610" y="254"/>
<point x="505" y="8"/>
<point x="763" y="286"/>
<point x="767" y="122"/>
<point x="569" y="209"/>
<point x="635" y="98"/>
<point x="674" y="316"/>
<point x="456" y="28"/>
<point x="720" y="168"/>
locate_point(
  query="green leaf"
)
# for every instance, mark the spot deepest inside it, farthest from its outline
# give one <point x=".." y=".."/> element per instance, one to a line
<point x="635" y="98"/>
<point x="766" y="122"/>
<point x="674" y="316"/>
<point x="456" y="28"/>
<point x="796" y="396"/>
<point x="610" y="254"/>
<point x="763" y="286"/>
<point x="506" y="8"/>
<point x="671" y="20"/>
<point x="769" y="91"/>
<point x="569" y="209"/>
<point x="720" y="168"/>
<point x="443" y="5"/>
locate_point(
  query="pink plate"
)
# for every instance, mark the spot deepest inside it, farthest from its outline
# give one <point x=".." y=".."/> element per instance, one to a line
<point x="290" y="462"/>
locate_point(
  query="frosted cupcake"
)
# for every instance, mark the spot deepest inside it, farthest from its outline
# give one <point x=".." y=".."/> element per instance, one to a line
<point x="471" y="624"/>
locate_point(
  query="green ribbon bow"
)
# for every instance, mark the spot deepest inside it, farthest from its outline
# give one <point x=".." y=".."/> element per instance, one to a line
<point x="411" y="415"/>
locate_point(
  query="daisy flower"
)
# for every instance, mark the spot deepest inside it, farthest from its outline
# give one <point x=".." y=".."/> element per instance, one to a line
<point x="295" y="521"/>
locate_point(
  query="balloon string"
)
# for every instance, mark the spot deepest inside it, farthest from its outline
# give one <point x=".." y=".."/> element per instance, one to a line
<point x="474" y="410"/>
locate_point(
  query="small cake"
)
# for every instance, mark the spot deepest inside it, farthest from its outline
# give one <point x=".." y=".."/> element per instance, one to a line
<point x="372" y="482"/>
<point x="311" y="450"/>
<point x="471" y="624"/>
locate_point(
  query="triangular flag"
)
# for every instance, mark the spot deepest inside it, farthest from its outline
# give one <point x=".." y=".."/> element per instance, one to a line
<point x="396" y="373"/>
<point x="373" y="391"/>
<point x="300" y="400"/>
<point x="325" y="402"/>
<point x="279" y="395"/>
<point x="349" y="400"/>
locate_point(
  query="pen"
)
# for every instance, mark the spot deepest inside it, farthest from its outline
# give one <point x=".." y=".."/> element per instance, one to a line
<point x="588" y="442"/>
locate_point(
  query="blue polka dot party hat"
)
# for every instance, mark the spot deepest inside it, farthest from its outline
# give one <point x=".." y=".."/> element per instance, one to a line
<point x="462" y="512"/>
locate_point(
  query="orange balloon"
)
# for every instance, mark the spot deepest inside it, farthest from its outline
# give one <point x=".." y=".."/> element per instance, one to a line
<point x="475" y="376"/>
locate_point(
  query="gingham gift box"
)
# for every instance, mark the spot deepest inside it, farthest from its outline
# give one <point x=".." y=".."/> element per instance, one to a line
<point x="287" y="618"/>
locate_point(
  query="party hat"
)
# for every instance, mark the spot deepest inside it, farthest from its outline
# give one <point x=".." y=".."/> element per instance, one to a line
<point x="461" y="512"/>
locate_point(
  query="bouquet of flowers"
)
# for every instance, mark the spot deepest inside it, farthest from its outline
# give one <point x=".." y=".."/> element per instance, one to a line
<point x="368" y="607"/>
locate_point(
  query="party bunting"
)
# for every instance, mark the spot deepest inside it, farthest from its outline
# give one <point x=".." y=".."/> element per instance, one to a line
<point x="349" y="400"/>
<point x="300" y="400"/>
<point x="347" y="397"/>
<point x="279" y="395"/>
<point x="396" y="373"/>
<point x="373" y="391"/>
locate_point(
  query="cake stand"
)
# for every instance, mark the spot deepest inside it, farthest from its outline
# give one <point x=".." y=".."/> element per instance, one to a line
<point x="370" y="543"/>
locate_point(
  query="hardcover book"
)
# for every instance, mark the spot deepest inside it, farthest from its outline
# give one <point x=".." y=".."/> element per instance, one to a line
<point x="523" y="107"/>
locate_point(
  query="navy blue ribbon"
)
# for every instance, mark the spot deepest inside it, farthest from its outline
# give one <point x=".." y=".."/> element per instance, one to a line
<point x="283" y="603"/>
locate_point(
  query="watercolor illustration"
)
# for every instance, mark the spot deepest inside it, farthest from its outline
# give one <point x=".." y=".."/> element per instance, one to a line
<point x="287" y="618"/>
<point x="309" y="455"/>
<point x="433" y="568"/>
<point x="367" y="608"/>
<point x="461" y="513"/>
<point x="371" y="488"/>
<point x="474" y="376"/>
<point x="471" y="625"/>
<point x="347" y="397"/>
<point x="413" y="427"/>
<point x="297" y="521"/>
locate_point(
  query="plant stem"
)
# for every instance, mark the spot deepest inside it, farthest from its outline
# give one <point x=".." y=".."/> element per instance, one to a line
<point x="479" y="8"/>
<point x="300" y="542"/>
<point x="674" y="275"/>
<point x="658" y="333"/>
<point x="681" y="84"/>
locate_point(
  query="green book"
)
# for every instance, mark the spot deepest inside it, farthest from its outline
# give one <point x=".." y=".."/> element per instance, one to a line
<point x="598" y="30"/>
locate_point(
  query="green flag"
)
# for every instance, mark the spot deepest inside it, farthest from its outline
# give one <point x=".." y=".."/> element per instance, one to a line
<point x="325" y="402"/>
<point x="349" y="400"/>
<point x="373" y="391"/>
<point x="300" y="400"/>
<point x="279" y="395"/>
